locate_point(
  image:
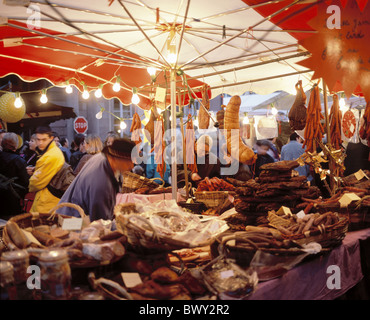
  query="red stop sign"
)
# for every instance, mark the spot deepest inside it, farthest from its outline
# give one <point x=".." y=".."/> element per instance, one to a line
<point x="80" y="125"/>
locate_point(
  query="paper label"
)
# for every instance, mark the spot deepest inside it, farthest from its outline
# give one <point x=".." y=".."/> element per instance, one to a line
<point x="284" y="211"/>
<point x="70" y="223"/>
<point x="226" y="274"/>
<point x="360" y="174"/>
<point x="131" y="279"/>
<point x="12" y="42"/>
<point x="160" y="94"/>
<point x="300" y="214"/>
<point x="347" y="198"/>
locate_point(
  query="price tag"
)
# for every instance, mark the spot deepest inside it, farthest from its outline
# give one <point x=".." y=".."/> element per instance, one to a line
<point x="347" y="198"/>
<point x="360" y="174"/>
<point x="160" y="94"/>
<point x="70" y="223"/>
<point x="226" y="274"/>
<point x="300" y="214"/>
<point x="131" y="279"/>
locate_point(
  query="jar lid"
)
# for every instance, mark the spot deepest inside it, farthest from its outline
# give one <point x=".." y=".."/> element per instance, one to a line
<point x="53" y="255"/>
<point x="91" y="296"/>
<point x="15" y="255"/>
<point x="5" y="267"/>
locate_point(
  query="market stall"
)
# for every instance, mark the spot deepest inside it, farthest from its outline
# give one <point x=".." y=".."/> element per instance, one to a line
<point x="228" y="238"/>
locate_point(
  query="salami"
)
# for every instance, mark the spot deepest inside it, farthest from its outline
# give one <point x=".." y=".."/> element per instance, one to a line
<point x="349" y="124"/>
<point x="203" y="114"/>
<point x="135" y="126"/>
<point x="335" y="119"/>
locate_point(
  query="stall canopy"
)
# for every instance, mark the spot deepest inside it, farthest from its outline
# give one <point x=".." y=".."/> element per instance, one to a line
<point x="226" y="44"/>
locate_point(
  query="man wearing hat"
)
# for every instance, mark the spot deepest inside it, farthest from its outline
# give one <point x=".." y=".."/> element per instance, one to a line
<point x="95" y="187"/>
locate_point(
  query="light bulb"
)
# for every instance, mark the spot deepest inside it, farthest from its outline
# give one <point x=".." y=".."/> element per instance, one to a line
<point x="196" y="122"/>
<point x="69" y="89"/>
<point x="98" y="93"/>
<point x="43" y="98"/>
<point x="99" y="115"/>
<point x="135" y="98"/>
<point x="342" y="103"/>
<point x="151" y="70"/>
<point x="85" y="94"/>
<point x="123" y="125"/>
<point x="117" y="86"/>
<point x="274" y="111"/>
<point x="245" y="120"/>
<point x="171" y="58"/>
<point x="18" y="101"/>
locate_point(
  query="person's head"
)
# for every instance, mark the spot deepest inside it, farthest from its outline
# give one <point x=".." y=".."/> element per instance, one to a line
<point x="111" y="136"/>
<point x="56" y="137"/>
<point x="79" y="140"/>
<point x="44" y="136"/>
<point x="93" y="144"/>
<point x="295" y="137"/>
<point x="203" y="145"/>
<point x="2" y="132"/>
<point x="10" y="141"/>
<point x="73" y="145"/>
<point x="32" y="144"/>
<point x="262" y="146"/>
<point x="64" y="142"/>
<point x="119" y="154"/>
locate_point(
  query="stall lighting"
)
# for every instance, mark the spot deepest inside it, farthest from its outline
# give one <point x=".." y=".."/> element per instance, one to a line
<point x="98" y="92"/>
<point x="18" y="101"/>
<point x="135" y="98"/>
<point x="69" y="89"/>
<point x="274" y="111"/>
<point x="151" y="71"/>
<point x="117" y="85"/>
<point x="43" y="98"/>
<point x="245" y="120"/>
<point x="86" y="93"/>
<point x="99" y="115"/>
<point x="123" y="125"/>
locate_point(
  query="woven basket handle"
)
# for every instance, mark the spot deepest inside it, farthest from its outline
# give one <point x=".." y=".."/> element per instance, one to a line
<point x="143" y="220"/>
<point x="163" y="183"/>
<point x="98" y="284"/>
<point x="52" y="212"/>
<point x="225" y="240"/>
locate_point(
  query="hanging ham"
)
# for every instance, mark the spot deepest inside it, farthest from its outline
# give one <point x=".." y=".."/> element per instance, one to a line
<point x="298" y="112"/>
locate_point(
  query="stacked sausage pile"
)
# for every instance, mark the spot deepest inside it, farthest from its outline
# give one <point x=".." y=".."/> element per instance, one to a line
<point x="278" y="185"/>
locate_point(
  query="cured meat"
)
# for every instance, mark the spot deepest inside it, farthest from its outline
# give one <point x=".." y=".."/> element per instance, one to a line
<point x="150" y="125"/>
<point x="189" y="143"/>
<point x="159" y="146"/>
<point x="349" y="124"/>
<point x="314" y="129"/>
<point x="220" y="115"/>
<point x="234" y="142"/>
<point x="298" y="112"/>
<point x="135" y="126"/>
<point x="203" y="114"/>
<point x="365" y="126"/>
<point x="335" y="120"/>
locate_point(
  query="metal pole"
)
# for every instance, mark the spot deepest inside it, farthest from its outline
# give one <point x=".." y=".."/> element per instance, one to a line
<point x="173" y="135"/>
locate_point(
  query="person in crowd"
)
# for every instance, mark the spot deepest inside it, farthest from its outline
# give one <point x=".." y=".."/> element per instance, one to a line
<point x="56" y="138"/>
<point x="77" y="155"/>
<point x="12" y="166"/>
<point x="292" y="151"/>
<point x="64" y="146"/>
<point x="111" y="136"/>
<point x="95" y="188"/>
<point x="2" y="132"/>
<point x="273" y="151"/>
<point x="152" y="173"/>
<point x="262" y="147"/>
<point x="208" y="164"/>
<point x="73" y="148"/>
<point x="50" y="162"/>
<point x="30" y="153"/>
<point x="93" y="145"/>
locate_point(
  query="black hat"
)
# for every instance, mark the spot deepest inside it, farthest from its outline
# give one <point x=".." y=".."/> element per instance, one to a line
<point x="120" y="148"/>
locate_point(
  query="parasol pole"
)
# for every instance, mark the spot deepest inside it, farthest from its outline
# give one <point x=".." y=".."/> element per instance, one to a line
<point x="173" y="135"/>
<point x="328" y="136"/>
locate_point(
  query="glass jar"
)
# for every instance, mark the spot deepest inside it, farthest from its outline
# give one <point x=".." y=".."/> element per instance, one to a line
<point x="20" y="261"/>
<point x="55" y="275"/>
<point x="8" y="290"/>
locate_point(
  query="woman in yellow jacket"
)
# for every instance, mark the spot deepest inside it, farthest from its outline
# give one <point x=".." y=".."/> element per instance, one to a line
<point x="47" y="166"/>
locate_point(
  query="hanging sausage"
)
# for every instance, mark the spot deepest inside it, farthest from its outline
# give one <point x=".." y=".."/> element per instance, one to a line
<point x="245" y="154"/>
<point x="203" y="114"/>
<point x="298" y="112"/>
<point x="335" y="120"/>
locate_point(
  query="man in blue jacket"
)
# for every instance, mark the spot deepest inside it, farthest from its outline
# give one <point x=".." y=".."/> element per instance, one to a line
<point x="95" y="188"/>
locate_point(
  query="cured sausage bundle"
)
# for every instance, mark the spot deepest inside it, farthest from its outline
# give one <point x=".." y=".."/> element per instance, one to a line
<point x="203" y="114"/>
<point x="335" y="120"/>
<point x="136" y="124"/>
<point x="298" y="112"/>
<point x="234" y="142"/>
<point x="314" y="129"/>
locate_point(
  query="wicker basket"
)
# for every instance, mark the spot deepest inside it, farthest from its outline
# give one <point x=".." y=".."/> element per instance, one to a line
<point x="147" y="240"/>
<point x="132" y="182"/>
<point x="327" y="237"/>
<point x="242" y="254"/>
<point x="212" y="198"/>
<point x="35" y="219"/>
<point x="196" y="207"/>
